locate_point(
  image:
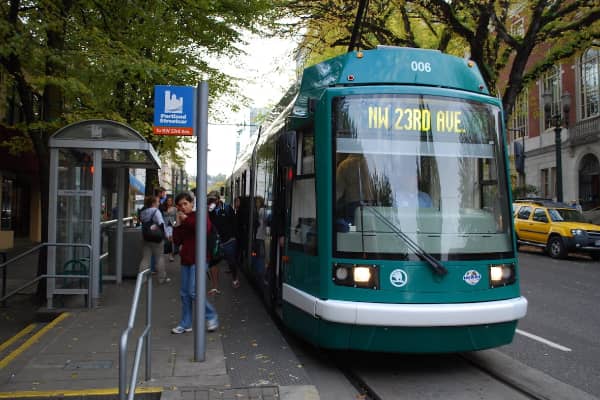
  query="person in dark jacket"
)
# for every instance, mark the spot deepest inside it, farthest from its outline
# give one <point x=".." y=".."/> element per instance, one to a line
<point x="224" y="218"/>
<point x="184" y="235"/>
<point x="152" y="251"/>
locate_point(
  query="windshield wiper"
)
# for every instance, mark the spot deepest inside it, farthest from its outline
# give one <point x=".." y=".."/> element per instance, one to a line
<point x="437" y="266"/>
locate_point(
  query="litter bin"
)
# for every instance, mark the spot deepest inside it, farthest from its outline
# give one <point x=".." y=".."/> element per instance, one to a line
<point x="132" y="251"/>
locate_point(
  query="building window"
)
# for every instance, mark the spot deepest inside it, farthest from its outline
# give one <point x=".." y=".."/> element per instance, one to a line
<point x="545" y="183"/>
<point x="518" y="119"/>
<point x="548" y="182"/>
<point x="517" y="28"/>
<point x="590" y="86"/>
<point x="552" y="85"/>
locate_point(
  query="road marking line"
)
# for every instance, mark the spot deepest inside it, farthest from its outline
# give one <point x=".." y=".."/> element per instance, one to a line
<point x="9" y="358"/>
<point x="18" y="336"/>
<point x="74" y="393"/>
<point x="542" y="340"/>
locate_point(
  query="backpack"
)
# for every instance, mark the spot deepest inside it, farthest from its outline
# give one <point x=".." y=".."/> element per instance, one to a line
<point x="152" y="235"/>
<point x="213" y="244"/>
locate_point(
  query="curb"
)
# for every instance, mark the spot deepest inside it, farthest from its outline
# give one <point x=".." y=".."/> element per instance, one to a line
<point x="525" y="378"/>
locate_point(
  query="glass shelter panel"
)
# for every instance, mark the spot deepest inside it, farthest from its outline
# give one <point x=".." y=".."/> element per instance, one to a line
<point x="423" y="169"/>
<point x="74" y="210"/>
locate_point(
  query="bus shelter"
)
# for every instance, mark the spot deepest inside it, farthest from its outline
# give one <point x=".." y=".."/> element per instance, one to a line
<point x="79" y="154"/>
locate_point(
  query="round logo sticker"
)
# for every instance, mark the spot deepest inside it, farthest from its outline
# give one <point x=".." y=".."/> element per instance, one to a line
<point x="398" y="278"/>
<point x="472" y="277"/>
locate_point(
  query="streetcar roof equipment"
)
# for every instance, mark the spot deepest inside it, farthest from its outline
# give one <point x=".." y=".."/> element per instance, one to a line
<point x="388" y="65"/>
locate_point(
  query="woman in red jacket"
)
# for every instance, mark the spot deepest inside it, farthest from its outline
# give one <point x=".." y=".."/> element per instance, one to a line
<point x="184" y="235"/>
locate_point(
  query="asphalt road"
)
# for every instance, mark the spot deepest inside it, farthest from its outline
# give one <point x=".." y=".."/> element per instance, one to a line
<point x="563" y="317"/>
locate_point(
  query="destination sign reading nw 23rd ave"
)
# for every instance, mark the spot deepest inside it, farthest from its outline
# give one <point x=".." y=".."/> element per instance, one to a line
<point x="416" y="119"/>
<point x="174" y="110"/>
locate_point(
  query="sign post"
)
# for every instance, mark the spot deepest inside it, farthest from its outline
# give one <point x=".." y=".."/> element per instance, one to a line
<point x="201" y="215"/>
<point x="183" y="111"/>
<point x="174" y="110"/>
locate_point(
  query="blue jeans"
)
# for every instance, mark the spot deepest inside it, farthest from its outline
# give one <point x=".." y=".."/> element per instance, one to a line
<point x="188" y="294"/>
<point x="230" y="254"/>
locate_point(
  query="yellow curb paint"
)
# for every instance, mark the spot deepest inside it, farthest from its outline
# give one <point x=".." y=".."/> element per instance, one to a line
<point x="9" y="358"/>
<point x="18" y="336"/>
<point x="74" y="393"/>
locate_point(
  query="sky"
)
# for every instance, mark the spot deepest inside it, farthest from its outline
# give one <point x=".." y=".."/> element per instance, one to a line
<point x="269" y="69"/>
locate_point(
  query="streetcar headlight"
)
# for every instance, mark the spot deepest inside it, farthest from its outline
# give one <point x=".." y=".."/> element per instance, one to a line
<point x="502" y="275"/>
<point x="363" y="276"/>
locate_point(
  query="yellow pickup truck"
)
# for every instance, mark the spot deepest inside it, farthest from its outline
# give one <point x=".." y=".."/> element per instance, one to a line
<point x="556" y="227"/>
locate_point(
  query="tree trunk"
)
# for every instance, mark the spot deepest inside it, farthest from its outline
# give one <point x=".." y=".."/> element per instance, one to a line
<point x="53" y="105"/>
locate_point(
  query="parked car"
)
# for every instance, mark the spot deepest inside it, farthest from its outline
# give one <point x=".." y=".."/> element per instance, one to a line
<point x="556" y="227"/>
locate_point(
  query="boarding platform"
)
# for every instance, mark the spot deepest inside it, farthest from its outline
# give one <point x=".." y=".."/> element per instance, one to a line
<point x="75" y="354"/>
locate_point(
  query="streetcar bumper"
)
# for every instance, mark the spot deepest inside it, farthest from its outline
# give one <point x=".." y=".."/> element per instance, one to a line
<point x="406" y="328"/>
<point x="407" y="315"/>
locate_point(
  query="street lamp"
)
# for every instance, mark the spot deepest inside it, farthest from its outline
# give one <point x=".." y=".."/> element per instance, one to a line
<point x="556" y="121"/>
<point x="519" y="151"/>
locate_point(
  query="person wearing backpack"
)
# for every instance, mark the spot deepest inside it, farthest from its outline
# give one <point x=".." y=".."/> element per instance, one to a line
<point x="184" y="235"/>
<point x="224" y="218"/>
<point x="152" y="236"/>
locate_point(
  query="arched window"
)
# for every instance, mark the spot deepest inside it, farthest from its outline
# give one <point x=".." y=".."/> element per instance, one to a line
<point x="590" y="86"/>
<point x="518" y="119"/>
<point x="552" y="85"/>
<point x="589" y="181"/>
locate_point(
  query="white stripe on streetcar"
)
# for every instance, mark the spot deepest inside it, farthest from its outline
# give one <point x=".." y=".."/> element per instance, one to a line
<point x="542" y="340"/>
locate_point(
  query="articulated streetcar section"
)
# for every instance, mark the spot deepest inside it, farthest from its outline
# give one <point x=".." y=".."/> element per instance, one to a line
<point x="378" y="207"/>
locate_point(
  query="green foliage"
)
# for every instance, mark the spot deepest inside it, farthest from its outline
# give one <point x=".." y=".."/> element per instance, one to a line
<point x="481" y="30"/>
<point x="108" y="55"/>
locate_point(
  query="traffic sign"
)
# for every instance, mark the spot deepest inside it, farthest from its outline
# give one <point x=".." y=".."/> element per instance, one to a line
<point x="174" y="108"/>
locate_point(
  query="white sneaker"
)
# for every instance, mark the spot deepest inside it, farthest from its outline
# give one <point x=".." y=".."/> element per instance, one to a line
<point x="180" y="329"/>
<point x="212" y="325"/>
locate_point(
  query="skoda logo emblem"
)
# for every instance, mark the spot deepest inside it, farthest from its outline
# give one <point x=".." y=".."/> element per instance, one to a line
<point x="398" y="278"/>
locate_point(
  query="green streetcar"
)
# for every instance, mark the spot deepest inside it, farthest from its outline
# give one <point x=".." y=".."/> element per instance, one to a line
<point x="377" y="207"/>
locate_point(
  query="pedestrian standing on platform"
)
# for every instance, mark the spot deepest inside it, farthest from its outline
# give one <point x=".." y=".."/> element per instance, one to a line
<point x="184" y="235"/>
<point x="151" y="214"/>
<point x="169" y="212"/>
<point x="242" y="217"/>
<point x="223" y="217"/>
<point x="161" y="193"/>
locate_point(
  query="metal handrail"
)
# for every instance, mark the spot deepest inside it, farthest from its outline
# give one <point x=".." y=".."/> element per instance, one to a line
<point x="111" y="222"/>
<point x="89" y="275"/>
<point x="146" y="334"/>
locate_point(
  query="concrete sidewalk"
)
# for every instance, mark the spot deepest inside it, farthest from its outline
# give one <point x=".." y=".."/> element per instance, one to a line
<point x="246" y="358"/>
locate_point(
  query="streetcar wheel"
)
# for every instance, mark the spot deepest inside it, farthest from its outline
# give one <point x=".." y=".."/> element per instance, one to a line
<point x="556" y="247"/>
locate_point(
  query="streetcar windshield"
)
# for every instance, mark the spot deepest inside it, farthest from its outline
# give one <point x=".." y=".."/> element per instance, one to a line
<point x="428" y="168"/>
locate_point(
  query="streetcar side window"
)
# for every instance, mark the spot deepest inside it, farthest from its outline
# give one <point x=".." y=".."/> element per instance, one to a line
<point x="307" y="155"/>
<point x="304" y="205"/>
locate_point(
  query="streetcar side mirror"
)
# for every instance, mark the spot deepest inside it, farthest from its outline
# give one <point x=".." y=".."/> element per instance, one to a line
<point x="287" y="149"/>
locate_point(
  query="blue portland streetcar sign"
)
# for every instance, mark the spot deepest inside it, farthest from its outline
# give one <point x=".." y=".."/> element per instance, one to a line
<point x="174" y="110"/>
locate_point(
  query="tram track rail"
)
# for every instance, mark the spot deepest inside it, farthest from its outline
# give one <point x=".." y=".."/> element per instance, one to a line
<point x="490" y="374"/>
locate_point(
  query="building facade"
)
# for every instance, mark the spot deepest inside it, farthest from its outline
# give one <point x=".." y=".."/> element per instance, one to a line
<point x="572" y="92"/>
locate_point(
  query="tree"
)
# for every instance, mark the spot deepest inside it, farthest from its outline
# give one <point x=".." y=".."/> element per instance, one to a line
<point x="480" y="30"/>
<point x="69" y="60"/>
